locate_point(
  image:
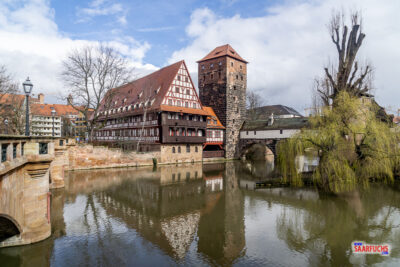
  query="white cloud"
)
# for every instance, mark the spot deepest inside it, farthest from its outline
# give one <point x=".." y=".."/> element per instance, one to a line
<point x="290" y="45"/>
<point x="102" y="8"/>
<point x="33" y="46"/>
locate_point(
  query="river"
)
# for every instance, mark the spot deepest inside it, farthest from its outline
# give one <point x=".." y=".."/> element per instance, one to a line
<point x="209" y="215"/>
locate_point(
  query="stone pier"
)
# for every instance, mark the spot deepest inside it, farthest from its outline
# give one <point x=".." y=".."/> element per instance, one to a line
<point x="24" y="189"/>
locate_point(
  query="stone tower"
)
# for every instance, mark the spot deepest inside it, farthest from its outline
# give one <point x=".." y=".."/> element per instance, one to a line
<point x="222" y="86"/>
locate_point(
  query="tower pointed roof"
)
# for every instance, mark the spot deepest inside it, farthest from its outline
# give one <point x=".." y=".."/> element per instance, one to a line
<point x="221" y="51"/>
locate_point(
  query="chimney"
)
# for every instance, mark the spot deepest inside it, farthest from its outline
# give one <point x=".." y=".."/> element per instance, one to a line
<point x="271" y="119"/>
<point x="69" y="99"/>
<point x="41" y="98"/>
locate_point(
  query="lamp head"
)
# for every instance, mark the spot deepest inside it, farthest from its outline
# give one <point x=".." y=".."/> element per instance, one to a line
<point x="27" y="86"/>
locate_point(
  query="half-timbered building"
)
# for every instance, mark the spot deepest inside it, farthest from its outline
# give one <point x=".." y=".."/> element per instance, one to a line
<point x="214" y="146"/>
<point x="159" y="112"/>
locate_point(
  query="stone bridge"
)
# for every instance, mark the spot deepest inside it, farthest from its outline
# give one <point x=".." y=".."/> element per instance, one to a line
<point x="24" y="189"/>
<point x="270" y="143"/>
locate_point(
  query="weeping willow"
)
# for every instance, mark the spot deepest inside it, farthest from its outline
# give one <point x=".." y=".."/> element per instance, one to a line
<point x="352" y="144"/>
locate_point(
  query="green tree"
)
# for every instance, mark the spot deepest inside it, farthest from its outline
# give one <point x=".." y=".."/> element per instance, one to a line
<point x="353" y="146"/>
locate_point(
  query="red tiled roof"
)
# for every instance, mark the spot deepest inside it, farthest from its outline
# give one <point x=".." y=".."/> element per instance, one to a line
<point x="211" y="115"/>
<point x="11" y="98"/>
<point x="152" y="87"/>
<point x="221" y="51"/>
<point x="45" y="109"/>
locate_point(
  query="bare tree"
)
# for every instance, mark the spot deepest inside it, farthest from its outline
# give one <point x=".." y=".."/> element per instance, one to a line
<point x="89" y="73"/>
<point x="253" y="101"/>
<point x="349" y="75"/>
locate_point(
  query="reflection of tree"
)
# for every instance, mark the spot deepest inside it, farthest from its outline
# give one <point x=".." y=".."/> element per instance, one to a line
<point x="325" y="228"/>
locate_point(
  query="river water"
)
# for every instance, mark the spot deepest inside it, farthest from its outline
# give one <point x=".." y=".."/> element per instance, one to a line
<point x="209" y="215"/>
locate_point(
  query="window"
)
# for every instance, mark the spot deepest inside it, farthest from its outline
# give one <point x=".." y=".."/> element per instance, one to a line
<point x="22" y="148"/>
<point x="173" y="149"/>
<point x="187" y="176"/>
<point x="61" y="142"/>
<point x="4" y="152"/>
<point x="240" y="66"/>
<point x="234" y="87"/>
<point x="220" y="63"/>
<point x="255" y="132"/>
<point x="241" y="77"/>
<point x="237" y="77"/>
<point x="211" y="65"/>
<point x="187" y="148"/>
<point x="195" y="106"/>
<point x="186" y="79"/>
<point x="196" y="149"/>
<point x="233" y="121"/>
<point x="219" y="74"/>
<point x="43" y="148"/>
<point x="179" y="77"/>
<point x="281" y="131"/>
<point x="204" y="77"/>
<point x="231" y="63"/>
<point x="187" y="91"/>
<point x="14" y="151"/>
<point x="179" y="149"/>
<point x="212" y="76"/>
<point x="176" y="89"/>
<point x="173" y="177"/>
<point x="202" y="67"/>
<point x="186" y="104"/>
<point x="170" y="102"/>
<point x="178" y="103"/>
<point x="247" y="132"/>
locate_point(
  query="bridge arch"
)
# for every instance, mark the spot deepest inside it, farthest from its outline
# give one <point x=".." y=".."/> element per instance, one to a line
<point x="267" y="145"/>
<point x="8" y="227"/>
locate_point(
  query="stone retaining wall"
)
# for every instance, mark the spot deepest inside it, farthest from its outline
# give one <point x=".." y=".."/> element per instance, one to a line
<point x="93" y="157"/>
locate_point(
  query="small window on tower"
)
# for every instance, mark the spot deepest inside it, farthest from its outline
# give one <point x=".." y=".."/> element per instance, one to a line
<point x="212" y="76"/>
<point x="241" y="77"/>
<point x="231" y="63"/>
<point x="237" y="77"/>
<point x="240" y="66"/>
<point x="234" y="87"/>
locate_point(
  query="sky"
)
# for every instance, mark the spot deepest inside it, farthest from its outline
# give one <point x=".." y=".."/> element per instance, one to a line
<point x="286" y="43"/>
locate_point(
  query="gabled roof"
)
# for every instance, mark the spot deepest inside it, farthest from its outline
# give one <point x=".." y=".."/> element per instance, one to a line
<point x="151" y="88"/>
<point x="45" y="109"/>
<point x="279" y="123"/>
<point x="263" y="113"/>
<point x="211" y="115"/>
<point x="221" y="51"/>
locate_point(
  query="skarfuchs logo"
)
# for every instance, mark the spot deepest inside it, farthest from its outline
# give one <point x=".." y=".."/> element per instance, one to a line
<point x="360" y="247"/>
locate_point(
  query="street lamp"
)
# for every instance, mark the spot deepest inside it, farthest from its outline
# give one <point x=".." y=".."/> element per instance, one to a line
<point x="27" y="89"/>
<point x="53" y="113"/>
<point x="6" y="124"/>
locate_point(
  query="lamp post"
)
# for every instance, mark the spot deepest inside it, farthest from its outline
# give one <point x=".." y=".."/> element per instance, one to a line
<point x="27" y="89"/>
<point x="53" y="113"/>
<point x="6" y="124"/>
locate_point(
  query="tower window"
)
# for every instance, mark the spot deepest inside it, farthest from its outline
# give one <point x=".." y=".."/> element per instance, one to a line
<point x="233" y="121"/>
<point x="212" y="76"/>
<point x="179" y="149"/>
<point x="237" y="77"/>
<point x="234" y="87"/>
<point x="240" y="66"/>
<point x="231" y="63"/>
<point x="241" y="77"/>
<point x="173" y="149"/>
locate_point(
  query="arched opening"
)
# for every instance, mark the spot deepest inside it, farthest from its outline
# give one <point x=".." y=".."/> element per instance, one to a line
<point x="8" y="227"/>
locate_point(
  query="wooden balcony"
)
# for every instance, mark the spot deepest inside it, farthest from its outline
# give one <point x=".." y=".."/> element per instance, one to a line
<point x="185" y="123"/>
<point x="184" y="139"/>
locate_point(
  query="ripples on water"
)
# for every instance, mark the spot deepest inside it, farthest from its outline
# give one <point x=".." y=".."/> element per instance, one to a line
<point x="196" y="215"/>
